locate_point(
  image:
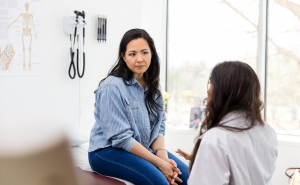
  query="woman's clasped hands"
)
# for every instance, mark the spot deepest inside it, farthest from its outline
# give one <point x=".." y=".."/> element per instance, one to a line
<point x="169" y="168"/>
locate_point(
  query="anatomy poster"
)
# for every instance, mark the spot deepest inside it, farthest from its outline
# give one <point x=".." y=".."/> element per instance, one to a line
<point x="21" y="37"/>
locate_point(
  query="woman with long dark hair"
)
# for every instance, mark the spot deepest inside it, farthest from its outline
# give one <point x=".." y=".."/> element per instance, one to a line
<point x="234" y="146"/>
<point x="127" y="139"/>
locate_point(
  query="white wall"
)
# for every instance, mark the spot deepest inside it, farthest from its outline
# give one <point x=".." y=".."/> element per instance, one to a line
<point x="54" y="95"/>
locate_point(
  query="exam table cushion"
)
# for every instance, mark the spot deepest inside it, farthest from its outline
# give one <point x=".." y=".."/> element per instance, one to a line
<point x="91" y="178"/>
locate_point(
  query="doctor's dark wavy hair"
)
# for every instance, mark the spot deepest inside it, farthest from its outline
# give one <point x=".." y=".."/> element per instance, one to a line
<point x="151" y="76"/>
<point x="235" y="88"/>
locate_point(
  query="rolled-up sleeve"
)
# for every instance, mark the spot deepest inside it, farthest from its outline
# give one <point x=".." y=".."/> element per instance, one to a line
<point x="113" y="118"/>
<point x="162" y="128"/>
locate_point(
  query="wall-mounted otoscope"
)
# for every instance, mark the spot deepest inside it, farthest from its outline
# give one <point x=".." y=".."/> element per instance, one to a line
<point x="82" y="14"/>
<point x="78" y="13"/>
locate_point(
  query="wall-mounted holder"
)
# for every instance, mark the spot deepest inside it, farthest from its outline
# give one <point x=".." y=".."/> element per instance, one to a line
<point x="102" y="28"/>
<point x="69" y="25"/>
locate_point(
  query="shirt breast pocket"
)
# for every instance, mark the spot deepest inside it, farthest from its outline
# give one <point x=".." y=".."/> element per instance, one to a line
<point x="132" y="110"/>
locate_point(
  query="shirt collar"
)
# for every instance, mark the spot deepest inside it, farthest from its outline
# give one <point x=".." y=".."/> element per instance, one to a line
<point x="134" y="81"/>
<point x="230" y="117"/>
<point x="146" y="89"/>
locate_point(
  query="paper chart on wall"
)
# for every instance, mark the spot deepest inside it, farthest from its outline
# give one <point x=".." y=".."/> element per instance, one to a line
<point x="21" y="37"/>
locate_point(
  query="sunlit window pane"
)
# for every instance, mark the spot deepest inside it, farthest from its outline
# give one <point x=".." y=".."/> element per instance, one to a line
<point x="283" y="70"/>
<point x="201" y="34"/>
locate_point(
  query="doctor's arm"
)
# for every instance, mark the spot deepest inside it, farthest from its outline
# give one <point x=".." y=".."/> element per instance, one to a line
<point x="211" y="165"/>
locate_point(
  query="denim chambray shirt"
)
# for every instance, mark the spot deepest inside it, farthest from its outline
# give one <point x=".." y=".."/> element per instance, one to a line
<point x="122" y="118"/>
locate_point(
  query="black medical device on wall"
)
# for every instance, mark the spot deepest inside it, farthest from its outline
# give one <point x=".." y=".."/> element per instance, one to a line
<point x="76" y="25"/>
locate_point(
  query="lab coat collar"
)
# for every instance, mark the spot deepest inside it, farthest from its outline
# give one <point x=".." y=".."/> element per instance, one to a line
<point x="232" y="116"/>
<point x="227" y="120"/>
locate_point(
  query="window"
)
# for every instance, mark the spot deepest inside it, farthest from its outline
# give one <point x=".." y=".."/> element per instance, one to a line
<point x="283" y="69"/>
<point x="202" y="33"/>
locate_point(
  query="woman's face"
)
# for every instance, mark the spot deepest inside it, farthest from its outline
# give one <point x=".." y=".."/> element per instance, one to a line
<point x="209" y="92"/>
<point x="138" y="56"/>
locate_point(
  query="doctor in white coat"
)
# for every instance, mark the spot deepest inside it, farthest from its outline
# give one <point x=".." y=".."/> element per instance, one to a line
<point x="235" y="146"/>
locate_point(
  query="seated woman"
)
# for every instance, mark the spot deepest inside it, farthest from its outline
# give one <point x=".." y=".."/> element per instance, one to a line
<point x="127" y="139"/>
<point x="235" y="146"/>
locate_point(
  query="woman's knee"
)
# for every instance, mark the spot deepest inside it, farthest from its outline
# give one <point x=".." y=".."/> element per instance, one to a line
<point x="130" y="168"/>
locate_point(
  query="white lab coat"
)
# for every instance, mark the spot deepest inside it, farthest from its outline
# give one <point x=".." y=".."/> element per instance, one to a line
<point x="235" y="158"/>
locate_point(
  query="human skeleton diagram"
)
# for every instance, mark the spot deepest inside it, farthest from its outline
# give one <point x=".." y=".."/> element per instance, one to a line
<point x="27" y="22"/>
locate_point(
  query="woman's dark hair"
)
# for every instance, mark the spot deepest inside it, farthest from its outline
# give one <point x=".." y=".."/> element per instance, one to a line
<point x="151" y="76"/>
<point x="235" y="88"/>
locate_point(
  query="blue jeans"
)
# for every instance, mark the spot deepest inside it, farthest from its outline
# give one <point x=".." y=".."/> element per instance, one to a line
<point x="121" y="164"/>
